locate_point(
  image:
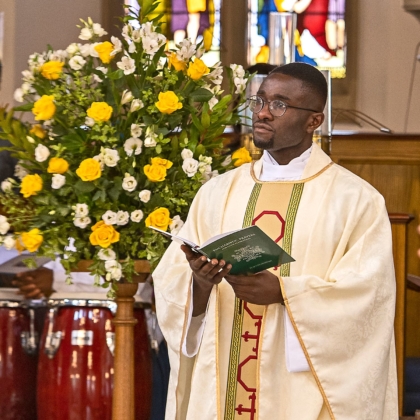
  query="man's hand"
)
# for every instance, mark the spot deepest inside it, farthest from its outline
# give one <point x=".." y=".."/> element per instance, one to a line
<point x="205" y="275"/>
<point x="35" y="284"/>
<point x="260" y="289"/>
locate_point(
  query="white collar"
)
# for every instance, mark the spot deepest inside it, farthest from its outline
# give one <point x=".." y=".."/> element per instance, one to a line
<point x="272" y="171"/>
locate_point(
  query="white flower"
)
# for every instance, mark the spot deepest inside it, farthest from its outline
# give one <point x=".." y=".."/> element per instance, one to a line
<point x="136" y="105"/>
<point x="85" y="50"/>
<point x="190" y="166"/>
<point x="18" y="95"/>
<point x="109" y="217"/>
<point x="176" y="225"/>
<point x="114" y="269"/>
<point x="58" y="55"/>
<point x="106" y="254"/>
<point x="41" y="153"/>
<point x="186" y="50"/>
<point x="90" y="122"/>
<point x="127" y="64"/>
<point x="129" y="183"/>
<point x="82" y="222"/>
<point x="96" y="78"/>
<point x="186" y="154"/>
<point x="77" y="62"/>
<point x="27" y="76"/>
<point x="104" y="70"/>
<point x="216" y="74"/>
<point x="110" y="157"/>
<point x="123" y="217"/>
<point x="100" y="159"/>
<point x="135" y="36"/>
<point x="98" y="30"/>
<point x="126" y="31"/>
<point x="30" y="139"/>
<point x="117" y="45"/>
<point x="144" y="195"/>
<point x="240" y="84"/>
<point x="146" y="29"/>
<point x="92" y="51"/>
<point x="25" y="89"/>
<point x="85" y="34"/>
<point x="136" y="216"/>
<point x="9" y="243"/>
<point x="212" y="102"/>
<point x="20" y="171"/>
<point x="200" y="51"/>
<point x="6" y="185"/>
<point x="136" y="130"/>
<point x="153" y="42"/>
<point x="126" y="97"/>
<point x="150" y="138"/>
<point x="238" y="70"/>
<point x="208" y="160"/>
<point x="73" y="49"/>
<point x="133" y="145"/>
<point x="4" y="225"/>
<point x="227" y="161"/>
<point x="209" y="175"/>
<point x="81" y="210"/>
<point x="58" y="181"/>
<point x="204" y="168"/>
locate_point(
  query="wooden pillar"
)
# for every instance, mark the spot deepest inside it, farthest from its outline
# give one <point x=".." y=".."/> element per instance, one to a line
<point x="399" y="224"/>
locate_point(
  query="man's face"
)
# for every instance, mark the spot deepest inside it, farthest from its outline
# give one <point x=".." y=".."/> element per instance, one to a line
<point x="294" y="128"/>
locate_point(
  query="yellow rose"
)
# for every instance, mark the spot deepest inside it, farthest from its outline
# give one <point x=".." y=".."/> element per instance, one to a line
<point x="168" y="102"/>
<point x="44" y="108"/>
<point x="164" y="162"/>
<point x="51" y="70"/>
<point x="174" y="61"/>
<point x="31" y="184"/>
<point x="32" y="240"/>
<point x="197" y="69"/>
<point x="155" y="173"/>
<point x="242" y="156"/>
<point x="104" y="50"/>
<point x="103" y="235"/>
<point x="159" y="219"/>
<point x="89" y="169"/>
<point x="100" y="111"/>
<point x="38" y="131"/>
<point x="57" y="165"/>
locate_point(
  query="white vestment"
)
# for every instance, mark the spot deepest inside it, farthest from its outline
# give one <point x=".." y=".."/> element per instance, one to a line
<point x="340" y="298"/>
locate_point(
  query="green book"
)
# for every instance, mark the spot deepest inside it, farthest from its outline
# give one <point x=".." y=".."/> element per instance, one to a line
<point x="249" y="250"/>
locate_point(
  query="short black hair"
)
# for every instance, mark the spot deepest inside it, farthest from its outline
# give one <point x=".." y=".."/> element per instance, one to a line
<point x="311" y="77"/>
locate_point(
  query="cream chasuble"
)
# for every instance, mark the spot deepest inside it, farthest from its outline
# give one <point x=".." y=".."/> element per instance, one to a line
<point x="339" y="295"/>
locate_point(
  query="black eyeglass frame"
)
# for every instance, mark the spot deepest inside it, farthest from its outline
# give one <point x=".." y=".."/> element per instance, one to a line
<point x="256" y="97"/>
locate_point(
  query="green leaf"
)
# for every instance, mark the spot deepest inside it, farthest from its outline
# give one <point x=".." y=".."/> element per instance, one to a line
<point x="201" y="95"/>
<point x="24" y="108"/>
<point x="84" y="186"/>
<point x="115" y="75"/>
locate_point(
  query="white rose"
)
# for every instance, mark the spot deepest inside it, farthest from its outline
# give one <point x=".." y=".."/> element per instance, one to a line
<point x="100" y="159"/>
<point x="190" y="166"/>
<point x="129" y="183"/>
<point x="136" y="130"/>
<point x="90" y="122"/>
<point x="110" y="157"/>
<point x="106" y="254"/>
<point x="77" y="62"/>
<point x="41" y="153"/>
<point x="186" y="154"/>
<point x="82" y="222"/>
<point x="4" y="225"/>
<point x="126" y="97"/>
<point x="144" y="195"/>
<point x="8" y="242"/>
<point x="136" y="216"/>
<point x="85" y="34"/>
<point x="150" y="142"/>
<point x="81" y="210"/>
<point x="176" y="224"/>
<point x="109" y="217"/>
<point x="133" y="145"/>
<point x="123" y="218"/>
<point x="114" y="269"/>
<point x="58" y="181"/>
<point x="136" y="105"/>
<point x="6" y="186"/>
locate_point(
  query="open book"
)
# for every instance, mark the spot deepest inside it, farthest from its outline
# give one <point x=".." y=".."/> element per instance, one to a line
<point x="249" y="250"/>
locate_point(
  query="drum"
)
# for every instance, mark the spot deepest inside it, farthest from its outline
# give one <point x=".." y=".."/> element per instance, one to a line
<point x="19" y="330"/>
<point x="75" y="369"/>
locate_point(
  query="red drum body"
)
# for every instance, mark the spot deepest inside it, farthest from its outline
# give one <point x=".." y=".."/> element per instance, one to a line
<point x="18" y="360"/>
<point x="75" y="368"/>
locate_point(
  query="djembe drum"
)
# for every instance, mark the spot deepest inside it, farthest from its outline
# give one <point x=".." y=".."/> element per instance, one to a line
<point x="75" y="369"/>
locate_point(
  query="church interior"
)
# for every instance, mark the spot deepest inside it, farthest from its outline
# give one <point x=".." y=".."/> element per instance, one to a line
<point x="374" y="132"/>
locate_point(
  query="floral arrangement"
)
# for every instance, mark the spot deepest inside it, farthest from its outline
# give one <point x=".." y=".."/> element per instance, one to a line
<point x="121" y="134"/>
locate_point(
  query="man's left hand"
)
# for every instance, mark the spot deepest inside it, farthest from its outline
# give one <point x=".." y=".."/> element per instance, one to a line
<point x="260" y="289"/>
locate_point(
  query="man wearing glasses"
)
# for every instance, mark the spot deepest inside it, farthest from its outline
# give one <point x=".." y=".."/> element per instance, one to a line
<point x="312" y="339"/>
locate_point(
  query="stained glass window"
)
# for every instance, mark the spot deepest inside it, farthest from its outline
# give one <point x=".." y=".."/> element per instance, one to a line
<point x="198" y="20"/>
<point x="319" y="33"/>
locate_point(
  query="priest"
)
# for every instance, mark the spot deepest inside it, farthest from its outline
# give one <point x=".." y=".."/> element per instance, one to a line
<point x="309" y="340"/>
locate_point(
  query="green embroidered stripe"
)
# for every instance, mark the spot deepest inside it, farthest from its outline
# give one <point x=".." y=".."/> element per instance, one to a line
<point x="235" y="345"/>
<point x="290" y="224"/>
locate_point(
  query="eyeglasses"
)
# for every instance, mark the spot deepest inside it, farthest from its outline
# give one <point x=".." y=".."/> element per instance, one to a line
<point x="277" y="107"/>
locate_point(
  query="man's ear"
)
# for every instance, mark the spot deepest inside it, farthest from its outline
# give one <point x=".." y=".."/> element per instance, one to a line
<point x="315" y="121"/>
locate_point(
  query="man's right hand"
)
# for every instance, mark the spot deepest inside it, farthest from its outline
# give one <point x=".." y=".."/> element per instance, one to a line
<point x="35" y="284"/>
<point x="205" y="275"/>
